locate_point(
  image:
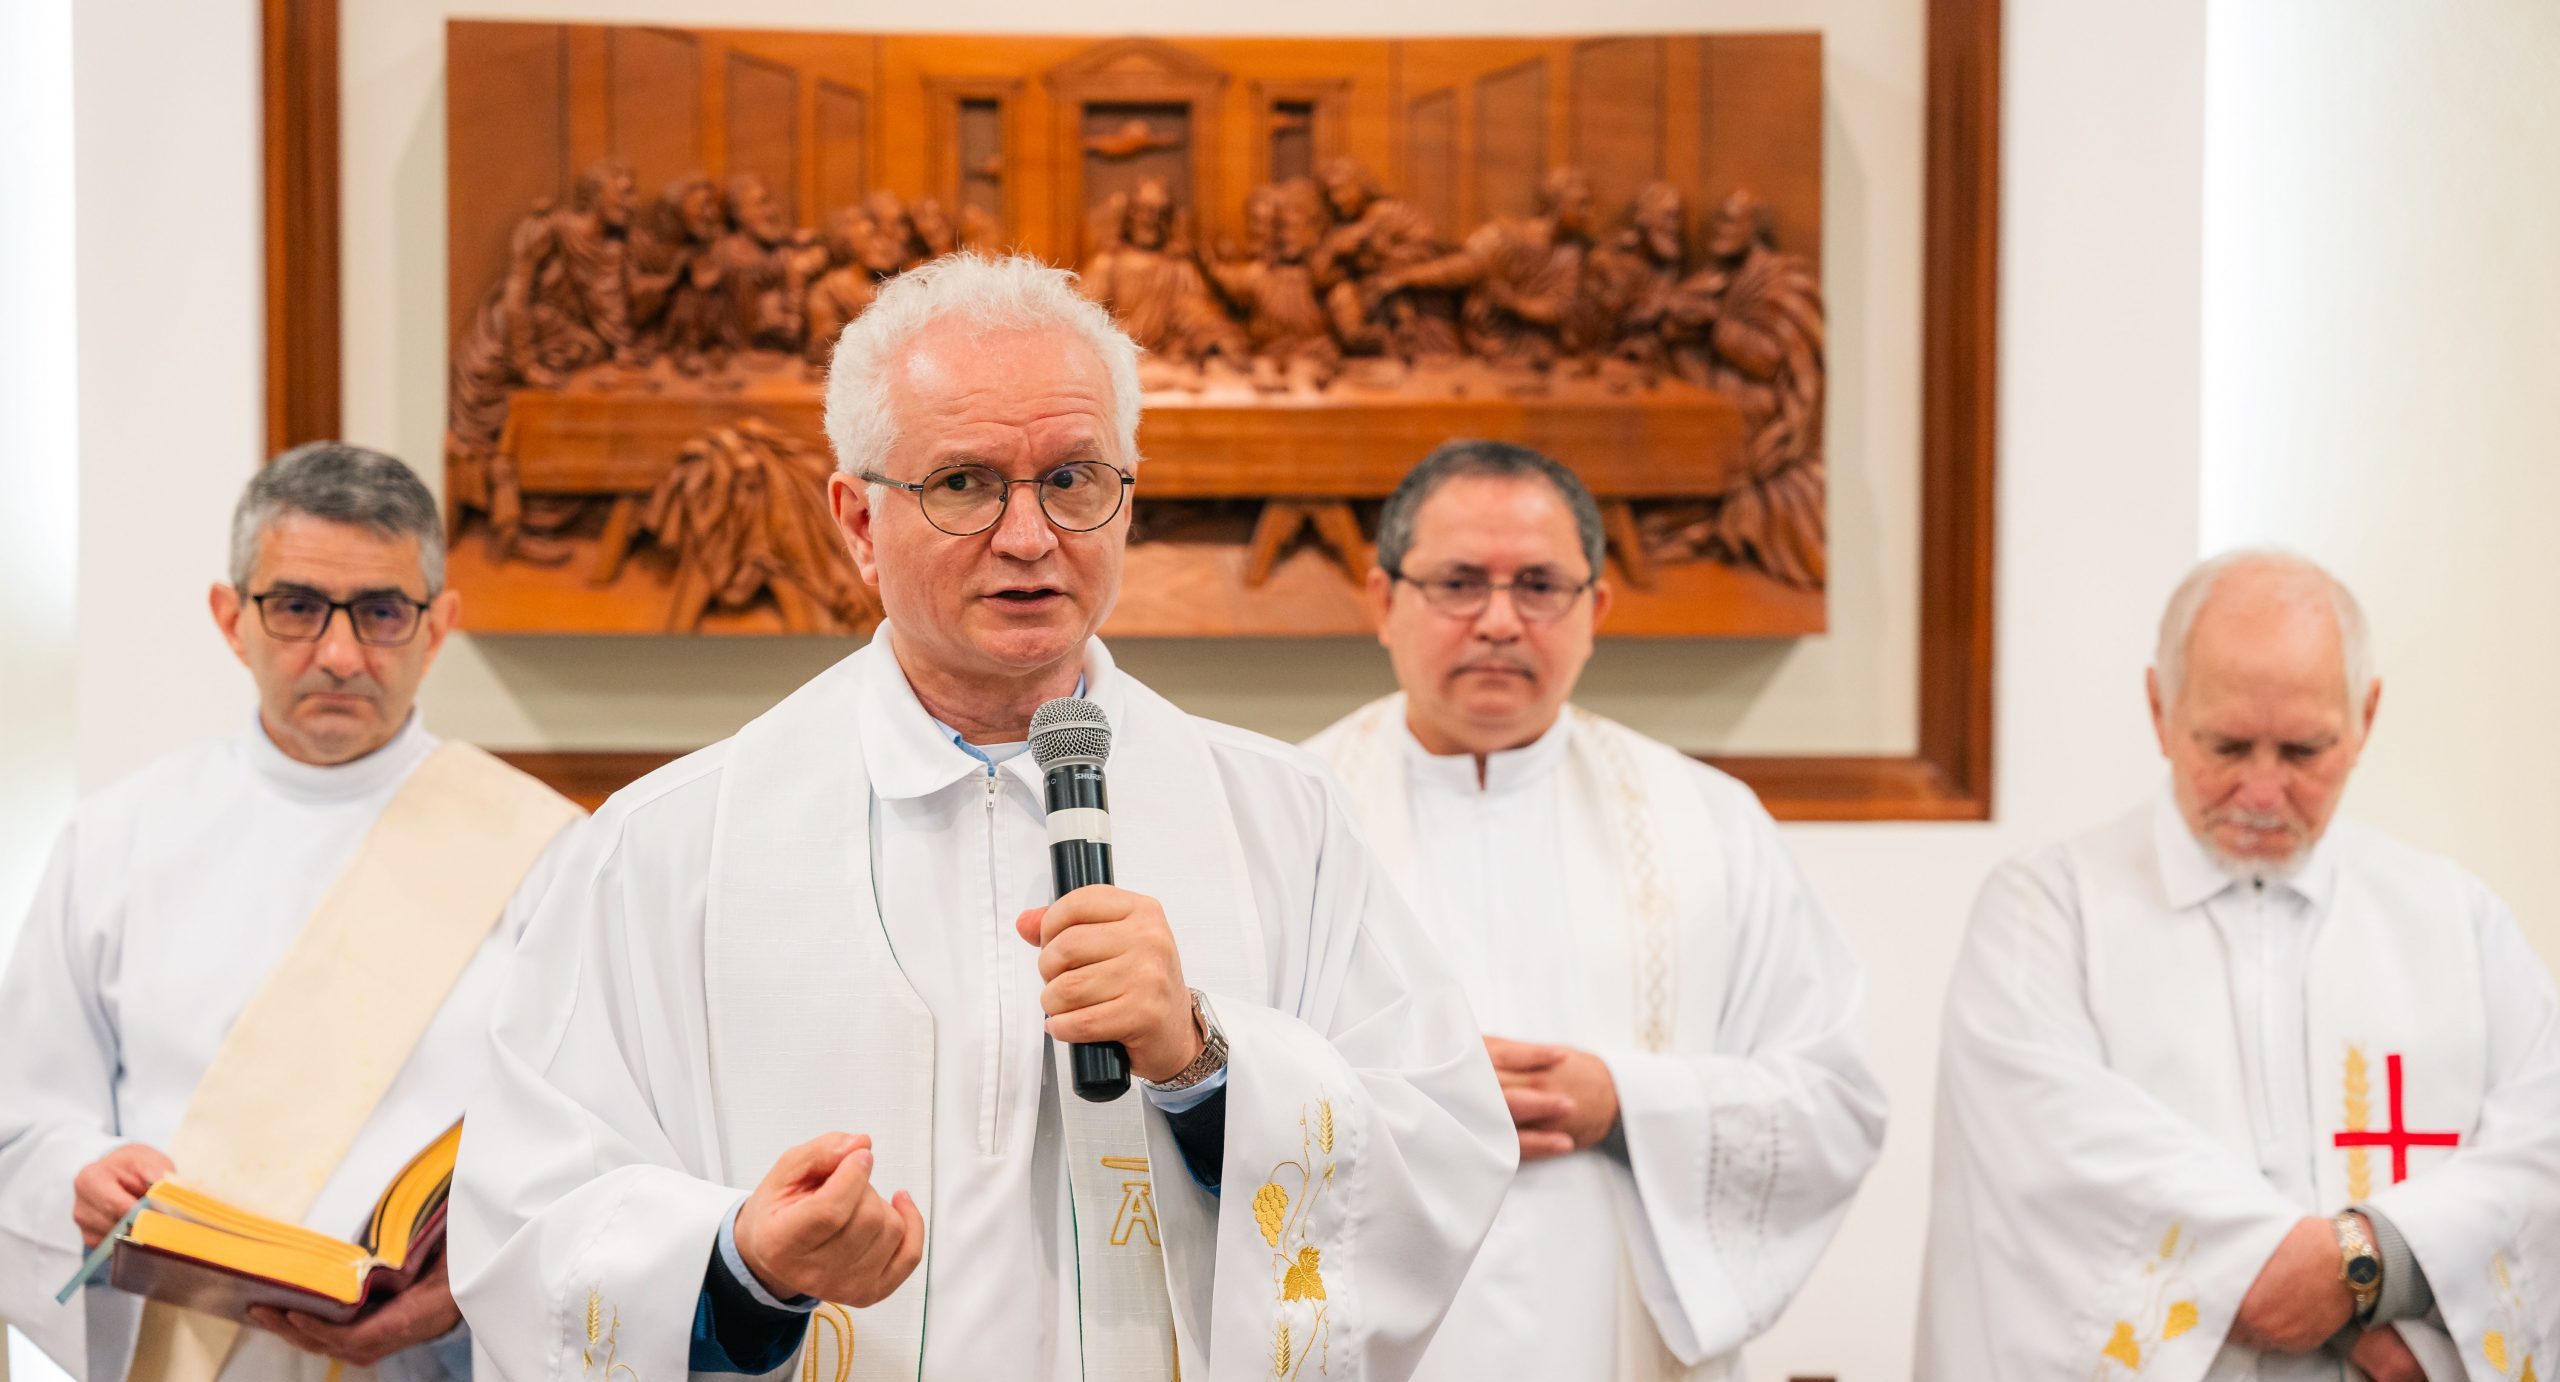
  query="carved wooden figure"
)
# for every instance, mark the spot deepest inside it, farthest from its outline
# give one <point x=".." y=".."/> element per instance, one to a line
<point x="744" y="511"/>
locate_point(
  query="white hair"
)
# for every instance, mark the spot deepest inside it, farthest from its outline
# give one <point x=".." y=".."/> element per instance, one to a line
<point x="2178" y="622"/>
<point x="1013" y="293"/>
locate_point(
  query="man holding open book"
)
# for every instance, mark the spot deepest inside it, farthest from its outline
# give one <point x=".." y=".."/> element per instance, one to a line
<point x="256" y="977"/>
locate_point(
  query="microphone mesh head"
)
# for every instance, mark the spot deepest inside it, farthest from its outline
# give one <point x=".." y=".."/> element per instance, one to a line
<point x="1069" y="730"/>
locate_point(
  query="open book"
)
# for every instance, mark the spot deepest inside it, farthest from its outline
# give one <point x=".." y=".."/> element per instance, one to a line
<point x="190" y="1249"/>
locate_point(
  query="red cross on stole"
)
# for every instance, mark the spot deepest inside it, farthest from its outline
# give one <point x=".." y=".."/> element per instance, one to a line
<point x="2397" y="1137"/>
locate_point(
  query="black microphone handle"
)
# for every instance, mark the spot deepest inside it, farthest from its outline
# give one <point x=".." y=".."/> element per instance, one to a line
<point x="1100" y="1069"/>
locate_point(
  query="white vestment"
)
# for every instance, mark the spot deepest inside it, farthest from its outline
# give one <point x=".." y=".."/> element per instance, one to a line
<point x="2151" y="1072"/>
<point x="644" y="1068"/>
<point x="1604" y="891"/>
<point x="169" y="899"/>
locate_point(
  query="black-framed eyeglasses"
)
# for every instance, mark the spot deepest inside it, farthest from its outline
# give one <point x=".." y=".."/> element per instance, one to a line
<point x="1540" y="598"/>
<point x="302" y="616"/>
<point x="965" y="500"/>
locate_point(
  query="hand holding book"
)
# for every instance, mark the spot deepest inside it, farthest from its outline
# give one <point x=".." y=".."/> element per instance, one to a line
<point x="107" y="1189"/>
<point x="176" y="1244"/>
<point x="420" y="1314"/>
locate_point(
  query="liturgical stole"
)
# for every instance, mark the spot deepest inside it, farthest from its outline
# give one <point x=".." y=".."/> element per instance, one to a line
<point x="314" y="1051"/>
<point x="1644" y="870"/>
<point x="2396" y="1036"/>
<point x="799" y="977"/>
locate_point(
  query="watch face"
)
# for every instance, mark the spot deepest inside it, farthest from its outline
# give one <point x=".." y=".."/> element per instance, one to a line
<point x="2364" y="1271"/>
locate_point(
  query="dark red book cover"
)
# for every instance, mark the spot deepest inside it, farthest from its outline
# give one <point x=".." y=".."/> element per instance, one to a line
<point x="194" y="1284"/>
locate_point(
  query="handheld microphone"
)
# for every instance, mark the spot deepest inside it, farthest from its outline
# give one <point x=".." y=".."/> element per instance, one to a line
<point x="1069" y="740"/>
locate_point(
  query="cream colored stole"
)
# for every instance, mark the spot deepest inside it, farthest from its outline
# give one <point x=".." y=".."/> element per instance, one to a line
<point x="799" y="977"/>
<point x="313" y="1052"/>
<point x="1640" y="858"/>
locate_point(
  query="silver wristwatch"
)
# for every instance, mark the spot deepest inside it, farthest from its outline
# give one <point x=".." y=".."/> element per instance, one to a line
<point x="1213" y="1050"/>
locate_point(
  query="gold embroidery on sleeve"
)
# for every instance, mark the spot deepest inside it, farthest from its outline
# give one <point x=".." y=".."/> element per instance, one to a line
<point x="2508" y="1344"/>
<point x="2167" y="1311"/>
<point x="602" y="1342"/>
<point x="1286" y="1224"/>
<point x="2123" y="1349"/>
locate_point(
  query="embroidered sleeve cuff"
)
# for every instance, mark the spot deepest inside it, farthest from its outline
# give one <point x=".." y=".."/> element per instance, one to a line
<point x="2405" y="1293"/>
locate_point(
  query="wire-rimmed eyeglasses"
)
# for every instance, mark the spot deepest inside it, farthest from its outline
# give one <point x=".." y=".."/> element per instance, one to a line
<point x="1538" y="596"/>
<point x="968" y="499"/>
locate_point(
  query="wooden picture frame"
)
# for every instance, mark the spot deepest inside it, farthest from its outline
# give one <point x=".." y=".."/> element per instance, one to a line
<point x="1948" y="777"/>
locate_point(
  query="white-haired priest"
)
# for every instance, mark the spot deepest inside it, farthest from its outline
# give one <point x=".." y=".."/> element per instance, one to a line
<point x="2231" y="1088"/>
<point x="265" y="965"/>
<point x="780" y="1073"/>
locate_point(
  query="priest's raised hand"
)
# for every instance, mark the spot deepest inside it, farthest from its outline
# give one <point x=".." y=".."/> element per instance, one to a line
<point x="815" y="1226"/>
<point x="1112" y="974"/>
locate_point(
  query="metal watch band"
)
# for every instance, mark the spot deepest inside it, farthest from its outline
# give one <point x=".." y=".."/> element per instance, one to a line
<point x="2355" y="1246"/>
<point x="1213" y="1051"/>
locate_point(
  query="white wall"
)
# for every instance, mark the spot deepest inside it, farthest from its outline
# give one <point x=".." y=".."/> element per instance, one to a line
<point x="38" y="431"/>
<point x="2382" y="365"/>
<point x="2401" y="173"/>
<point x="171" y="343"/>
<point x="38" y="455"/>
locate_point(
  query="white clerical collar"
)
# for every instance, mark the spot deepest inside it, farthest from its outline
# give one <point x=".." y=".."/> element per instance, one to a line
<point x="912" y="754"/>
<point x="1509" y="770"/>
<point x="360" y="777"/>
<point x="2190" y="875"/>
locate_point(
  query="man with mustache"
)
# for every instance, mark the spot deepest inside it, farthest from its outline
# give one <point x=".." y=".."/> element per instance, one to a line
<point x="264" y="966"/>
<point x="1674" y="1020"/>
<point x="2232" y="1089"/>
<point x="779" y="1083"/>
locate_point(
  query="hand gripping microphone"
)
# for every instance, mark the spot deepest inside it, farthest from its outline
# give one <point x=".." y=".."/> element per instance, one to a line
<point x="1069" y="740"/>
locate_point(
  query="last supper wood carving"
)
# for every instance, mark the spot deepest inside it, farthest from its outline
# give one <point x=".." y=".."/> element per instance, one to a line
<point x="1336" y="254"/>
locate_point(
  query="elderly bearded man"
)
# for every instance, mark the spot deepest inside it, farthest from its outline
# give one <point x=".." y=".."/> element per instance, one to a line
<point x="2228" y="1090"/>
<point x="1674" y="1019"/>
<point x="266" y="966"/>
<point x="776" y="1079"/>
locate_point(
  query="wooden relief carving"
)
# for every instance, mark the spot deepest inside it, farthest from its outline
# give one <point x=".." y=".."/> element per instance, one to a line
<point x="1337" y="254"/>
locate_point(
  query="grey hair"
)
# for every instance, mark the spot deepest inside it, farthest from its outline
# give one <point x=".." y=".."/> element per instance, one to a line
<point x="1499" y="459"/>
<point x="1012" y="293"/>
<point x="343" y="484"/>
<point x="2178" y="621"/>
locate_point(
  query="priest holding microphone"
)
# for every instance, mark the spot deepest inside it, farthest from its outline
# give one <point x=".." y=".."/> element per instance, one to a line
<point x="783" y="1075"/>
